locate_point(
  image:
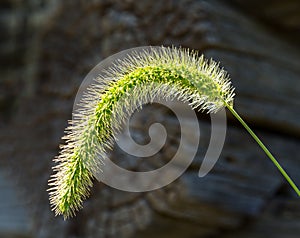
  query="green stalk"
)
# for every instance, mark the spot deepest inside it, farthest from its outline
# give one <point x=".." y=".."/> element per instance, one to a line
<point x="268" y="153"/>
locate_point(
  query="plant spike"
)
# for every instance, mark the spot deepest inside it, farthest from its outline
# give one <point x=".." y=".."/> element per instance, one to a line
<point x="203" y="83"/>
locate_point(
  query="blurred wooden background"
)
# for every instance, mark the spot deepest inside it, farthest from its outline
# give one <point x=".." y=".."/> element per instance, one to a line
<point x="47" y="48"/>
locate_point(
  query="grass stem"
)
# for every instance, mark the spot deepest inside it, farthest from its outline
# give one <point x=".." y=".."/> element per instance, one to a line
<point x="268" y="153"/>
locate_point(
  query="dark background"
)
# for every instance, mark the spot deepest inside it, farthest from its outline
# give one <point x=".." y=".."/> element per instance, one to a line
<point x="47" y="48"/>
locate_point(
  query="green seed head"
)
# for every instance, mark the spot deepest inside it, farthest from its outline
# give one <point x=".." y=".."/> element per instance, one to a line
<point x="132" y="81"/>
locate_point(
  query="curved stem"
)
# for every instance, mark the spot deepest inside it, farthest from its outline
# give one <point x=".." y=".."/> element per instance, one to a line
<point x="268" y="153"/>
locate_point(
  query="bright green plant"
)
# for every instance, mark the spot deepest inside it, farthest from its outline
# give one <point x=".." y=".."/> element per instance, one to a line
<point x="203" y="83"/>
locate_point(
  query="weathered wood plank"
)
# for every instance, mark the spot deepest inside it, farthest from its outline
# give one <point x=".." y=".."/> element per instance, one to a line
<point x="14" y="220"/>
